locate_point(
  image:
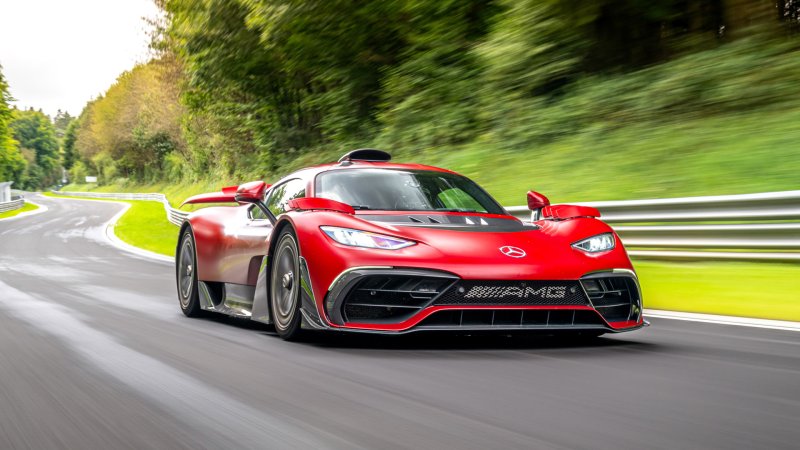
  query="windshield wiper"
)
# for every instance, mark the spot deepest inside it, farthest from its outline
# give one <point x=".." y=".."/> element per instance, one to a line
<point x="360" y="207"/>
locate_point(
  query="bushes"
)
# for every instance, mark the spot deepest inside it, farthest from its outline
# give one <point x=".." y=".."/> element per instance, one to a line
<point x="246" y="89"/>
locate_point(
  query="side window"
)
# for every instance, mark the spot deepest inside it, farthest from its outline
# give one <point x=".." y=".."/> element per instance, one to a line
<point x="281" y="194"/>
<point x="257" y="214"/>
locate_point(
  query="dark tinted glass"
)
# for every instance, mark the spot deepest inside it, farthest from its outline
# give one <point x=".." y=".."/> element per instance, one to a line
<point x="402" y="190"/>
<point x="280" y="195"/>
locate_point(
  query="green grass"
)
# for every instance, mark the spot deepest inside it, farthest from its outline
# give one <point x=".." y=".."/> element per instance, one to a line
<point x="708" y="156"/>
<point x="25" y="208"/>
<point x="762" y="290"/>
<point x="145" y="225"/>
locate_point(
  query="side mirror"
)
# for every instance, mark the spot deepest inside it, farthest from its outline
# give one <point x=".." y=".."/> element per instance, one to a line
<point x="252" y="192"/>
<point x="536" y="202"/>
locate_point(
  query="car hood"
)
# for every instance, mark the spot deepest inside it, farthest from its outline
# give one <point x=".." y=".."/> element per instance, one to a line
<point x="484" y="247"/>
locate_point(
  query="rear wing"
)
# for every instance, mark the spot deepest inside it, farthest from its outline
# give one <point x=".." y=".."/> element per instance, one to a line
<point x="232" y="194"/>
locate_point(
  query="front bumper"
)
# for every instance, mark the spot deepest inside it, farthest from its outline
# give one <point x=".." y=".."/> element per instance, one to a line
<point x="397" y="300"/>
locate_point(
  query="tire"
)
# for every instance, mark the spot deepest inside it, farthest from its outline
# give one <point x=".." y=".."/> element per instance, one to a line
<point x="284" y="286"/>
<point x="186" y="276"/>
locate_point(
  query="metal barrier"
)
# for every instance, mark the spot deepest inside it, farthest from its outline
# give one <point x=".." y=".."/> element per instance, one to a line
<point x="656" y="235"/>
<point x="174" y="216"/>
<point x="750" y="237"/>
<point x="12" y="205"/>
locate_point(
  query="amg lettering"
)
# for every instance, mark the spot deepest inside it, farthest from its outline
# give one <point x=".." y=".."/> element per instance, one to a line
<point x="516" y="291"/>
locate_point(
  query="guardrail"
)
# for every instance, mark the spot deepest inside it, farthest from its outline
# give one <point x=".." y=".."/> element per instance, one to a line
<point x="12" y="205"/>
<point x="752" y="236"/>
<point x="174" y="216"/>
<point x="645" y="234"/>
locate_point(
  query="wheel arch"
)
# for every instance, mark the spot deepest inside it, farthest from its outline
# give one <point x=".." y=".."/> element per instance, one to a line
<point x="262" y="310"/>
<point x="184" y="226"/>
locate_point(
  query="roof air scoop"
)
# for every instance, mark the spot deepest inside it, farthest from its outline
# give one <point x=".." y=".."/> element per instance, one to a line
<point x="366" y="154"/>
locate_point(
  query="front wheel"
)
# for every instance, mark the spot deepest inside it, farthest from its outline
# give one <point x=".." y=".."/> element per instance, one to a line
<point x="186" y="276"/>
<point x="284" y="286"/>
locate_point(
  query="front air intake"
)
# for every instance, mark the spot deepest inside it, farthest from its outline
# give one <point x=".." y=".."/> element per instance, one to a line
<point x="391" y="298"/>
<point x="512" y="319"/>
<point x="616" y="297"/>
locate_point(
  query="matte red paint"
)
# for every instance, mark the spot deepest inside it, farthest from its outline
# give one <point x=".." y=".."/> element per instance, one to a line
<point x="229" y="243"/>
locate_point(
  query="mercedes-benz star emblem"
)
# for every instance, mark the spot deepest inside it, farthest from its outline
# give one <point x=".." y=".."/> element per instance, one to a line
<point x="514" y="252"/>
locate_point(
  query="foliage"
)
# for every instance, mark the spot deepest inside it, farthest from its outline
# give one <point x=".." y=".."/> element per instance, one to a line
<point x="247" y="89"/>
<point x="69" y="153"/>
<point x="37" y="140"/>
<point x="129" y="131"/>
<point x="61" y="122"/>
<point x="12" y="164"/>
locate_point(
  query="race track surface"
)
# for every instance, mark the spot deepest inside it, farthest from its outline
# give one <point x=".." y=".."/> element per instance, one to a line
<point x="95" y="354"/>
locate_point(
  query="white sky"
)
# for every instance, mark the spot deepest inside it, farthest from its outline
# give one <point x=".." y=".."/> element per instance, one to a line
<point x="62" y="53"/>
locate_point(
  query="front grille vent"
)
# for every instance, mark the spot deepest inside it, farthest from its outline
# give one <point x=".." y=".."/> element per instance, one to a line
<point x="393" y="298"/>
<point x="512" y="319"/>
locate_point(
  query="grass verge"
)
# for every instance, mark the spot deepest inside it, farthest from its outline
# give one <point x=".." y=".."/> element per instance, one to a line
<point x="25" y="208"/>
<point x="145" y="225"/>
<point x="761" y="290"/>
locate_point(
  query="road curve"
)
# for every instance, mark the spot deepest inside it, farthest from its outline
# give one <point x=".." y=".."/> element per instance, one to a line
<point x="95" y="354"/>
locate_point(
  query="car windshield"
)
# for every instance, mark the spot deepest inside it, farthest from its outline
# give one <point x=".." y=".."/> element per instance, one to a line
<point x="405" y="190"/>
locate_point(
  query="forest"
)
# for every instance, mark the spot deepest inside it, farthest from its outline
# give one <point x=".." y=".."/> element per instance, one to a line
<point x="690" y="95"/>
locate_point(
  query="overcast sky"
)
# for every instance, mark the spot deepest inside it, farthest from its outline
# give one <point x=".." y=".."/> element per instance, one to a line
<point x="58" y="54"/>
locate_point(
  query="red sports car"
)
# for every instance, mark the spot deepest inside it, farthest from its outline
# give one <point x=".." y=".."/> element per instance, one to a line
<point x="366" y="245"/>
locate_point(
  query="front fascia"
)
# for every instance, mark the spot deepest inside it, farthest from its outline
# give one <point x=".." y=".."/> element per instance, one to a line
<point x="467" y="255"/>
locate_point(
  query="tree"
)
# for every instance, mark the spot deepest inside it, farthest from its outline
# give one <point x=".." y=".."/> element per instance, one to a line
<point x="61" y="121"/>
<point x="12" y="164"/>
<point x="35" y="133"/>
<point x="129" y="131"/>
<point x="69" y="153"/>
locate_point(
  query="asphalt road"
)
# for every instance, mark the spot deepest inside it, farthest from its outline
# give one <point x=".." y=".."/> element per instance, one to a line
<point x="95" y="354"/>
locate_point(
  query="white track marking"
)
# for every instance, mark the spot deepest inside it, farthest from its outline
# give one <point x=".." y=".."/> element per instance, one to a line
<point x="783" y="325"/>
<point x="39" y="210"/>
<point x="117" y="242"/>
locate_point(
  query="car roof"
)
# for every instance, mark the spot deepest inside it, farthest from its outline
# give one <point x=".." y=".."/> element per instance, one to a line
<point x="376" y="165"/>
<point x="310" y="173"/>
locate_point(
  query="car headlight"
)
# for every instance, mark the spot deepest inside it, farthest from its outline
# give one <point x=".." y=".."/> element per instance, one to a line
<point x="359" y="238"/>
<point x="595" y="244"/>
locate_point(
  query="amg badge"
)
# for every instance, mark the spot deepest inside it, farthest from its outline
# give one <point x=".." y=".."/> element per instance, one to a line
<point x="516" y="291"/>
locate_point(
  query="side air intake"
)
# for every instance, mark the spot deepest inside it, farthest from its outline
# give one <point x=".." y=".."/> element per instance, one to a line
<point x="366" y="154"/>
<point x="615" y="297"/>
